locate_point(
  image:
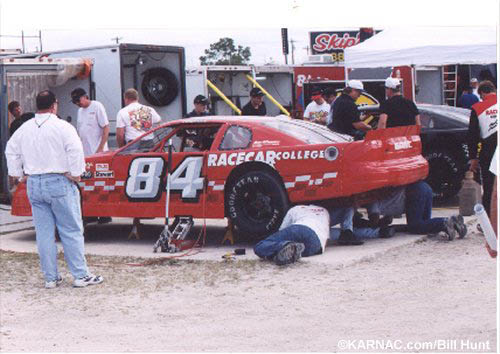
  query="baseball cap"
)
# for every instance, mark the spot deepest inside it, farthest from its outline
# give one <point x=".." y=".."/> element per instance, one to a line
<point x="201" y="99"/>
<point x="355" y="84"/>
<point x="76" y="94"/>
<point x="473" y="80"/>
<point x="316" y="95"/>
<point x="256" y="92"/>
<point x="392" y="83"/>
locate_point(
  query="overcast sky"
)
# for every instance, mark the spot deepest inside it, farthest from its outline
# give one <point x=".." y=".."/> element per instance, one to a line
<point x="196" y="24"/>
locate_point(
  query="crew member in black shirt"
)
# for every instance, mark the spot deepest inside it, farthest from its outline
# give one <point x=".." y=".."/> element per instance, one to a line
<point x="256" y="106"/>
<point x="19" y="117"/>
<point x="200" y="107"/>
<point x="397" y="111"/>
<point x="344" y="114"/>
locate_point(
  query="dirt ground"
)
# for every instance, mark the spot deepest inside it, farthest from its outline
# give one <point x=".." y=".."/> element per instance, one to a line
<point x="423" y="294"/>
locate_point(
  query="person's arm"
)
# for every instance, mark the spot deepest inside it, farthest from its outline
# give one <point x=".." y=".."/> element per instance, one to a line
<point x="361" y="126"/>
<point x="473" y="137"/>
<point x="120" y="136"/>
<point x="417" y="120"/>
<point x="493" y="217"/>
<point x="102" y="119"/>
<point x="74" y="152"/>
<point x="104" y="138"/>
<point x="14" y="157"/>
<point x="382" y="121"/>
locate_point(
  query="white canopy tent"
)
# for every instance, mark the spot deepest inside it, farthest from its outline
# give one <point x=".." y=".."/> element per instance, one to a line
<point x="421" y="46"/>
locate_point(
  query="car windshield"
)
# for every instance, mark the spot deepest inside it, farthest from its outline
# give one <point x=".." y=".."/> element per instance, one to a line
<point x="147" y="142"/>
<point x="310" y="133"/>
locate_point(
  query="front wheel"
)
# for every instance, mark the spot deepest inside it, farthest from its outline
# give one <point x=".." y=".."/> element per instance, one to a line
<point x="256" y="203"/>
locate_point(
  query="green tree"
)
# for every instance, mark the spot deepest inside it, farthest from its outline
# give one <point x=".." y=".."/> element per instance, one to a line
<point x="224" y="52"/>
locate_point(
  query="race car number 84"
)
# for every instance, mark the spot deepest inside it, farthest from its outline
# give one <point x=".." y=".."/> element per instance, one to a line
<point x="146" y="174"/>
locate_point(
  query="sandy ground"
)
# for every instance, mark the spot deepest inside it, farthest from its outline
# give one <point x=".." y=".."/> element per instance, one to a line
<point x="423" y="296"/>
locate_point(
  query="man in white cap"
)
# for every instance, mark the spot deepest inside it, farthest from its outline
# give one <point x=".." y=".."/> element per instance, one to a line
<point x="344" y="114"/>
<point x="475" y="84"/>
<point x="397" y="111"/>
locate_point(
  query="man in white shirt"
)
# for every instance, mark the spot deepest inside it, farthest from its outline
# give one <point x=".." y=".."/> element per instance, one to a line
<point x="93" y="128"/>
<point x="317" y="110"/>
<point x="474" y="83"/>
<point x="48" y="151"/>
<point x="134" y="119"/>
<point x="303" y="233"/>
<point x="92" y="123"/>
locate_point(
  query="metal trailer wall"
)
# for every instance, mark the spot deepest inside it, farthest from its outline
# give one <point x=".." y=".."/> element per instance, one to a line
<point x="232" y="81"/>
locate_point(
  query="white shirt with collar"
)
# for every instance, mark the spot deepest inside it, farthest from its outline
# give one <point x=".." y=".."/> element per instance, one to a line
<point x="45" y="144"/>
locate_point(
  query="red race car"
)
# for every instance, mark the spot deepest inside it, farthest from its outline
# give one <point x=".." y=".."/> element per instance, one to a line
<point x="249" y="169"/>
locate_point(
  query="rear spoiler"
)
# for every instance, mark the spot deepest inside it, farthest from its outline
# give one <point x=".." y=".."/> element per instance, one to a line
<point x="381" y="134"/>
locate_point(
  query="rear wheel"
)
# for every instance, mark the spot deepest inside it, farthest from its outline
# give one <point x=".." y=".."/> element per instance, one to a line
<point x="256" y="203"/>
<point x="445" y="175"/>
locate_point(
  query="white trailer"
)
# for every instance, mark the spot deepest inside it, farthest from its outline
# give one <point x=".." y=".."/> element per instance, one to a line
<point x="155" y="71"/>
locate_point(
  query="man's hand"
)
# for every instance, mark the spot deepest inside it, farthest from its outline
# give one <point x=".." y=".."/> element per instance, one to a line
<point x="73" y="178"/>
<point x="474" y="165"/>
<point x="493" y="254"/>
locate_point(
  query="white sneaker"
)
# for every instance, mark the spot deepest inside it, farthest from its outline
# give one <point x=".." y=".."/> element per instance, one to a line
<point x="53" y="284"/>
<point x="88" y="280"/>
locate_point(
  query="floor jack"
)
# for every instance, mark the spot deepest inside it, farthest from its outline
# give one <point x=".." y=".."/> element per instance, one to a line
<point x="174" y="241"/>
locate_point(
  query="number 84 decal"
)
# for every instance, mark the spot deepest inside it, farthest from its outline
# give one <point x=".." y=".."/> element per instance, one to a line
<point x="145" y="176"/>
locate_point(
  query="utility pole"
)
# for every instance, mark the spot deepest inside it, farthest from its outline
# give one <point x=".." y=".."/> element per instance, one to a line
<point x="117" y="39"/>
<point x="306" y="48"/>
<point x="293" y="50"/>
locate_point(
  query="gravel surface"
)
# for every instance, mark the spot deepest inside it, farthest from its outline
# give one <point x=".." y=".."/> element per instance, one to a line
<point x="442" y="293"/>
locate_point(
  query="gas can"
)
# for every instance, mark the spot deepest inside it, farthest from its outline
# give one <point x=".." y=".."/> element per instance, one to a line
<point x="469" y="195"/>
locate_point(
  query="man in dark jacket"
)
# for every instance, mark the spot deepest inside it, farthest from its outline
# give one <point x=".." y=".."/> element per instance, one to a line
<point x="483" y="129"/>
<point x="256" y="106"/>
<point x="344" y="114"/>
<point x="200" y="107"/>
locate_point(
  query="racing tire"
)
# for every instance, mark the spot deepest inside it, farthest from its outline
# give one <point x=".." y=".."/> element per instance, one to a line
<point x="159" y="86"/>
<point x="445" y="175"/>
<point x="256" y="203"/>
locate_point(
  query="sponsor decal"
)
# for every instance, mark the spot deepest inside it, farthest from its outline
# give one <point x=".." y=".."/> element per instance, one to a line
<point x="86" y="175"/>
<point x="88" y="165"/>
<point x="270" y="157"/>
<point x="258" y="144"/>
<point x="101" y="167"/>
<point x="401" y="145"/>
<point x="104" y="174"/>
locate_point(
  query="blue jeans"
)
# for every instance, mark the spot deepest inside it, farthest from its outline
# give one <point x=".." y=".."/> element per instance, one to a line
<point x="419" y="210"/>
<point x="296" y="233"/>
<point x="359" y="233"/>
<point x="342" y="216"/>
<point x="55" y="202"/>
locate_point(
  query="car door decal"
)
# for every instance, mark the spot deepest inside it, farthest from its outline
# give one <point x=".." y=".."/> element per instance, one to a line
<point x="147" y="179"/>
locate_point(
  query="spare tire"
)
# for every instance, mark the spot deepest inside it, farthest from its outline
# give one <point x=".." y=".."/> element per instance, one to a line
<point x="159" y="86"/>
<point x="256" y="203"/>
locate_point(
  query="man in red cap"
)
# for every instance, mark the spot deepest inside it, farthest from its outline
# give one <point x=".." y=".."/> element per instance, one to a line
<point x="317" y="110"/>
